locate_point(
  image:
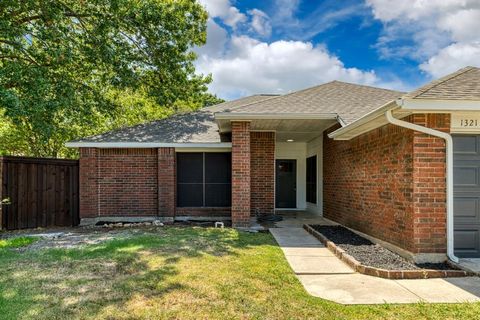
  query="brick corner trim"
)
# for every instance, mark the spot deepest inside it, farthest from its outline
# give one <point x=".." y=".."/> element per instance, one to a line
<point x="383" y="273"/>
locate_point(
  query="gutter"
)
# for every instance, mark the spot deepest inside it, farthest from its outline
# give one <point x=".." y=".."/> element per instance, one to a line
<point x="372" y="115"/>
<point x="111" y="145"/>
<point x="449" y="163"/>
<point x="274" y="116"/>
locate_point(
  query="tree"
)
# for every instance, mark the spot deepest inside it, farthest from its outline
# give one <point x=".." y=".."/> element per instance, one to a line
<point x="68" y="67"/>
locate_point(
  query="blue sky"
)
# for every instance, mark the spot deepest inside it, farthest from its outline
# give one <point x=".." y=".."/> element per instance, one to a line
<point x="279" y="46"/>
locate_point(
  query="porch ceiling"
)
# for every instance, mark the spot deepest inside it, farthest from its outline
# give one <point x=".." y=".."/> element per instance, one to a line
<point x="299" y="130"/>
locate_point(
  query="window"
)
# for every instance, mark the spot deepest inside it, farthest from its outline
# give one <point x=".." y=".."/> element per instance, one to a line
<point x="204" y="179"/>
<point x="312" y="179"/>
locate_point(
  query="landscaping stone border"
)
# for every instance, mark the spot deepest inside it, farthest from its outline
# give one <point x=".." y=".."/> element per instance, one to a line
<point x="383" y="273"/>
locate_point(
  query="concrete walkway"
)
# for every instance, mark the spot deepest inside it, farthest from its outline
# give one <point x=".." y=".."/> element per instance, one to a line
<point x="325" y="276"/>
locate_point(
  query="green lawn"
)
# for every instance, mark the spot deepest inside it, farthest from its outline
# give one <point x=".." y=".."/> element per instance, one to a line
<point x="177" y="273"/>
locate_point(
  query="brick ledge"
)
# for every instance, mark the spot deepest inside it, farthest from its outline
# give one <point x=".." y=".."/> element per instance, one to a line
<point x="383" y="273"/>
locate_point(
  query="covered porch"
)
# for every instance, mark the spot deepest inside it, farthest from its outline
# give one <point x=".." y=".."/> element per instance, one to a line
<point x="277" y="164"/>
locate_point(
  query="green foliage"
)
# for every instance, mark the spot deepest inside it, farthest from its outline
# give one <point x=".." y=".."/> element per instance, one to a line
<point x="72" y="68"/>
<point x="16" y="242"/>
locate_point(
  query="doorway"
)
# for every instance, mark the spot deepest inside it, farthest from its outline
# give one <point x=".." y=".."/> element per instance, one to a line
<point x="286" y="183"/>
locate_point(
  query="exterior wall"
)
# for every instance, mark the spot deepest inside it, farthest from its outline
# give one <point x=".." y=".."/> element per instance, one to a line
<point x="390" y="184"/>
<point x="88" y="187"/>
<point x="240" y="174"/>
<point x="262" y="165"/>
<point x="297" y="151"/>
<point x="429" y="185"/>
<point x="166" y="182"/>
<point x="203" y="212"/>
<point x="368" y="184"/>
<point x="127" y="182"/>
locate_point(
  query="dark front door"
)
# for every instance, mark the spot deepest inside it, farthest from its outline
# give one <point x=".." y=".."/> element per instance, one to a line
<point x="466" y="198"/>
<point x="286" y="184"/>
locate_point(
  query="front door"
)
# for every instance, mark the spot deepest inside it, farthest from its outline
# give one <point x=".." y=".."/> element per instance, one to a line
<point x="286" y="184"/>
<point x="466" y="198"/>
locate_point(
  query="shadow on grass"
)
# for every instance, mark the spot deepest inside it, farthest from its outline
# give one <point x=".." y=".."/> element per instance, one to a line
<point x="84" y="282"/>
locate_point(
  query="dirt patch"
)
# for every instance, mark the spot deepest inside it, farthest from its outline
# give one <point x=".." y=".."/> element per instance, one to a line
<point x="371" y="254"/>
<point x="75" y="237"/>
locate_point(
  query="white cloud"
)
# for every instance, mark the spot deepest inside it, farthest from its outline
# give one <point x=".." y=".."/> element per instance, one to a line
<point x="462" y="24"/>
<point x="260" y="22"/>
<point x="251" y="66"/>
<point x="452" y="58"/>
<point x="441" y="34"/>
<point x="243" y="65"/>
<point x="223" y="9"/>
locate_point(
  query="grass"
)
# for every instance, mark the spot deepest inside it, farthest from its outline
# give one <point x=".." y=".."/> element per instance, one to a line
<point x="16" y="242"/>
<point x="177" y="273"/>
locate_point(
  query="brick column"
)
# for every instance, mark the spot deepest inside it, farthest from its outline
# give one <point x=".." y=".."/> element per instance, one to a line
<point x="429" y="186"/>
<point x="88" y="188"/>
<point x="262" y="146"/>
<point x="166" y="182"/>
<point x="240" y="174"/>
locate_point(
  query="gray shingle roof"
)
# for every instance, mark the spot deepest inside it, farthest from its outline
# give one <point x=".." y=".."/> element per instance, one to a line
<point x="461" y="85"/>
<point x="350" y="101"/>
<point x="194" y="127"/>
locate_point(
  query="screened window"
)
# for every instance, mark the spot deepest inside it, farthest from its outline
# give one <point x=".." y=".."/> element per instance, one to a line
<point x="312" y="179"/>
<point x="204" y="180"/>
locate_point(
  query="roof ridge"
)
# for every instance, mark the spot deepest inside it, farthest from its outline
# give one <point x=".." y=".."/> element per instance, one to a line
<point x="416" y="93"/>
<point x="254" y="102"/>
<point x="309" y="88"/>
<point x="367" y="86"/>
<point x="224" y="102"/>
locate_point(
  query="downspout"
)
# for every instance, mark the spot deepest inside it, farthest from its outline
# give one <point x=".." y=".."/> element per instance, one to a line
<point x="449" y="163"/>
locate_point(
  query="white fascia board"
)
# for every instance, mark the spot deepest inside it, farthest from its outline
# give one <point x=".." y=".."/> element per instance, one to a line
<point x="113" y="145"/>
<point x="202" y="149"/>
<point x="274" y="116"/>
<point x="342" y="133"/>
<point x="432" y="105"/>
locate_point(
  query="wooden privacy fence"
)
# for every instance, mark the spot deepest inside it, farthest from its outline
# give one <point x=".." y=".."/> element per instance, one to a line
<point x="41" y="192"/>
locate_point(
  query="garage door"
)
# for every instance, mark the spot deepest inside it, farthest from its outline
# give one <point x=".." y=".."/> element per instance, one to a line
<point x="467" y="195"/>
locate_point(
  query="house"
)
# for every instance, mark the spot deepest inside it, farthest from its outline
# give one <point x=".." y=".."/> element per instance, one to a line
<point x="401" y="167"/>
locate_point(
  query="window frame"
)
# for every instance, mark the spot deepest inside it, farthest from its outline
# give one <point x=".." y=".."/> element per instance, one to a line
<point x="206" y="201"/>
<point x="311" y="194"/>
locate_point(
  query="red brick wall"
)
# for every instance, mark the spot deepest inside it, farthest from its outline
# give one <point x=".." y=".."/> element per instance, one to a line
<point x="127" y="182"/>
<point x="429" y="185"/>
<point x="262" y="162"/>
<point x="88" y="186"/>
<point x="240" y="174"/>
<point x="390" y="183"/>
<point x="166" y="182"/>
<point x="368" y="183"/>
<point x="203" y="212"/>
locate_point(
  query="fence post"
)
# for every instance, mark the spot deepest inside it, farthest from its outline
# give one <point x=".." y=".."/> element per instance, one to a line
<point x="1" y="193"/>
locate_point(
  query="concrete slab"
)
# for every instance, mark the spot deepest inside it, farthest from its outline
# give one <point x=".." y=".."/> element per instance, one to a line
<point x="318" y="265"/>
<point x="325" y="276"/>
<point x="294" y="237"/>
<point x="298" y="218"/>
<point x="472" y="264"/>
<point x="307" y="251"/>
<point x="356" y="289"/>
<point x="449" y="290"/>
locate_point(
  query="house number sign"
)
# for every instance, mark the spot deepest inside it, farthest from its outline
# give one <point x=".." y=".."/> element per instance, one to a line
<point x="465" y="122"/>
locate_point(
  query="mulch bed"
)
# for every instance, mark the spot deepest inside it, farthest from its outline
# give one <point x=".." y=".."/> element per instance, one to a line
<point x="371" y="254"/>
